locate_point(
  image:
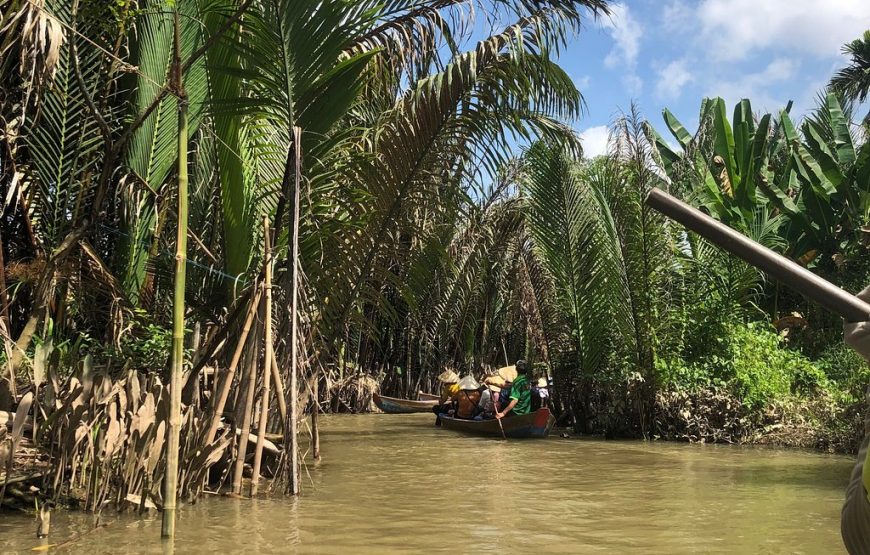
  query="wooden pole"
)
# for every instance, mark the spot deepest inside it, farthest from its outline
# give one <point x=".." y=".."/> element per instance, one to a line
<point x="267" y="364"/>
<point x="4" y="300"/>
<point x="170" y="481"/>
<point x="315" y="426"/>
<point x="223" y="394"/>
<point x="279" y="388"/>
<point x="294" y="331"/>
<point x="246" y="421"/>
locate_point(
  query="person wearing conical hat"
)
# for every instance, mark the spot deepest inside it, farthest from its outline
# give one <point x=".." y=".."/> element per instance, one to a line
<point x="504" y="378"/>
<point x="540" y="394"/>
<point x="449" y="388"/>
<point x="488" y="391"/>
<point x="520" y="397"/>
<point x="468" y="397"/>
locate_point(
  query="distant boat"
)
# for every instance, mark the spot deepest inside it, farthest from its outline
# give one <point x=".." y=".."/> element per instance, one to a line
<point x="533" y="425"/>
<point x="421" y="396"/>
<point x="392" y="405"/>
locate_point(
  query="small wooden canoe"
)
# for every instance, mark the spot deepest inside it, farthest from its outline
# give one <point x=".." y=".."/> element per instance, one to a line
<point x="392" y="405"/>
<point x="422" y="396"/>
<point x="535" y="424"/>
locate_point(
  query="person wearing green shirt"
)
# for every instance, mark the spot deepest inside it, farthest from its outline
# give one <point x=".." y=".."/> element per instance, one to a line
<point x="521" y="393"/>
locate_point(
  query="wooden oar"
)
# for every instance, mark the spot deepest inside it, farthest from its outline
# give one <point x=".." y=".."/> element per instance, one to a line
<point x="500" y="425"/>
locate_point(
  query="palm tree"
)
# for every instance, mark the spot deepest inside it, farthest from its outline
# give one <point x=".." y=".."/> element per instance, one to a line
<point x="853" y="81"/>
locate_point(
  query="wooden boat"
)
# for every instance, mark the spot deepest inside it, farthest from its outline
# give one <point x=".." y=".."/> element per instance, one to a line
<point x="422" y="396"/>
<point x="535" y="424"/>
<point x="392" y="405"/>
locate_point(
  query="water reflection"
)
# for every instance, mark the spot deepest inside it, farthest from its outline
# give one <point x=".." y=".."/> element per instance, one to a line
<point x="396" y="484"/>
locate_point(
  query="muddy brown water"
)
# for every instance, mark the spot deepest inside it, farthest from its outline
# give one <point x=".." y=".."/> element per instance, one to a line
<point x="396" y="484"/>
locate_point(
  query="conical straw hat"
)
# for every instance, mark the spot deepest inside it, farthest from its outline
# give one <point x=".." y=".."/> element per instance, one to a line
<point x="508" y="373"/>
<point x="468" y="383"/>
<point x="542" y="382"/>
<point x="448" y="376"/>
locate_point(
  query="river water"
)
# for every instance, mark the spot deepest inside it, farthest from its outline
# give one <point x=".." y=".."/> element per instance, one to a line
<point x="396" y="484"/>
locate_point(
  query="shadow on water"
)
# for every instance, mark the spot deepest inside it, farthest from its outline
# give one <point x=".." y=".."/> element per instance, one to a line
<point x="398" y="484"/>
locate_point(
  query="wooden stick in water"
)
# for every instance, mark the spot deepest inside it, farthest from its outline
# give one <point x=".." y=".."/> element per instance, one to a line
<point x="500" y="425"/>
<point x="224" y="389"/>
<point x="246" y="419"/>
<point x="794" y="275"/>
<point x="267" y="364"/>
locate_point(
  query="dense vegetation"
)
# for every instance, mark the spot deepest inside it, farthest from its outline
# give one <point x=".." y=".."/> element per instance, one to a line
<point x="409" y="232"/>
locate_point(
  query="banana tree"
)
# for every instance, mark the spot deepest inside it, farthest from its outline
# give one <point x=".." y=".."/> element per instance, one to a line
<point x="726" y="160"/>
<point x="831" y="182"/>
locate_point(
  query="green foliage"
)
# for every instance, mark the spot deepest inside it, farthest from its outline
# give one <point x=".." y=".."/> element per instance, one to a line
<point x="847" y="369"/>
<point x="751" y="361"/>
<point x="150" y="348"/>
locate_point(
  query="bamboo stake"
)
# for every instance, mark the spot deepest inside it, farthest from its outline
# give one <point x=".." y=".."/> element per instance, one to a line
<point x="227" y="382"/>
<point x="279" y="388"/>
<point x="246" y="422"/>
<point x="269" y="357"/>
<point x="4" y="302"/>
<point x="294" y="332"/>
<point x="315" y="427"/>
<point x="170" y="482"/>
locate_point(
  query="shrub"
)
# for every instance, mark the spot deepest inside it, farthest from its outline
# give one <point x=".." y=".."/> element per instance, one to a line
<point x="749" y="360"/>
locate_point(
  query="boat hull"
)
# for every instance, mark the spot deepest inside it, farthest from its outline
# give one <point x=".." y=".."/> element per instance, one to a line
<point x="533" y="425"/>
<point x="422" y="396"/>
<point x="392" y="405"/>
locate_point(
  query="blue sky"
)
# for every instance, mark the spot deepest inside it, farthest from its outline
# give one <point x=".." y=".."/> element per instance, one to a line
<point x="672" y="53"/>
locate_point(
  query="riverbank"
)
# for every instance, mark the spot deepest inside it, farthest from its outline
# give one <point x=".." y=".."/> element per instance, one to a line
<point x="710" y="416"/>
<point x="380" y="489"/>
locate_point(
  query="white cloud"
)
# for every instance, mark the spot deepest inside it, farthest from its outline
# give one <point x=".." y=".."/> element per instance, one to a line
<point x="633" y="83"/>
<point x="582" y="83"/>
<point x="677" y="16"/>
<point x="755" y="86"/>
<point x="626" y="32"/>
<point x="594" y="141"/>
<point x="735" y="29"/>
<point x="672" y="78"/>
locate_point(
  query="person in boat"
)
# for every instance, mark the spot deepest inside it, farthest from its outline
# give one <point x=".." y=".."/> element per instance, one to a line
<point x="855" y="519"/>
<point x="540" y="394"/>
<point x="486" y="406"/>
<point x="449" y="388"/>
<point x="520" y="395"/>
<point x="504" y="380"/>
<point x="468" y="398"/>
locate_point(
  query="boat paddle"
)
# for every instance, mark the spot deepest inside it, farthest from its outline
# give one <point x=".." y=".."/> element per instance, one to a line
<point x="501" y="427"/>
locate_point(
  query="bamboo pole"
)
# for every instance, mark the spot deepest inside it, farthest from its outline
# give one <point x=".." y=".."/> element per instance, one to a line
<point x="315" y="426"/>
<point x="269" y="357"/>
<point x="246" y="421"/>
<point x="170" y="482"/>
<point x="294" y="331"/>
<point x="279" y="388"/>
<point x="4" y="300"/>
<point x="226" y="384"/>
